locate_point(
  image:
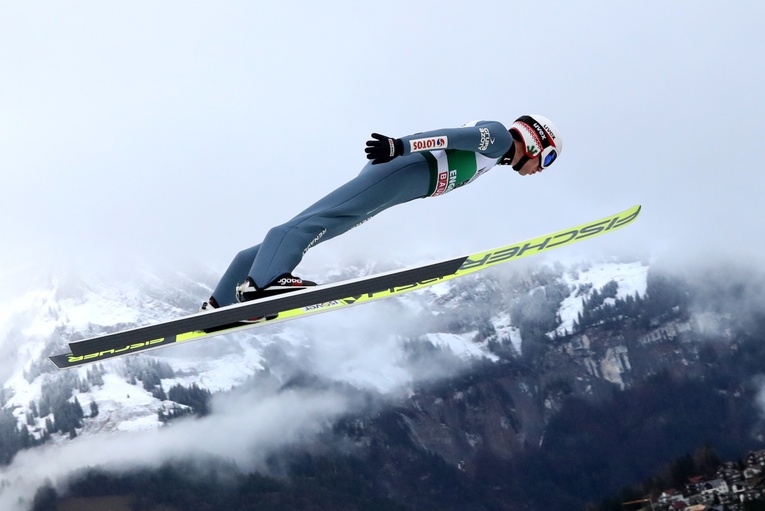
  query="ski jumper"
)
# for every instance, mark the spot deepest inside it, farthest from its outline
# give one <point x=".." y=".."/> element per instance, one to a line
<point x="434" y="163"/>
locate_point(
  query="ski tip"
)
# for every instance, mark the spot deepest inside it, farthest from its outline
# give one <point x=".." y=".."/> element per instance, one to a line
<point x="628" y="215"/>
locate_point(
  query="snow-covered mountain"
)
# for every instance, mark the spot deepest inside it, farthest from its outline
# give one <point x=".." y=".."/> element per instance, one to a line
<point x="43" y="320"/>
<point x="377" y="349"/>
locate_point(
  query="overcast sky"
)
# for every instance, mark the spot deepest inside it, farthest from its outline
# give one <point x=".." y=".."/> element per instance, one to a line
<point x="185" y="130"/>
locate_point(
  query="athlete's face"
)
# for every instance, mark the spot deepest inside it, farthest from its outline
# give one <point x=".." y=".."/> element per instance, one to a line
<point x="531" y="166"/>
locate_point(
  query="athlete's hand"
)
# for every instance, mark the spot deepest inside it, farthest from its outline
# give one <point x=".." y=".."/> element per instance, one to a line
<point x="383" y="149"/>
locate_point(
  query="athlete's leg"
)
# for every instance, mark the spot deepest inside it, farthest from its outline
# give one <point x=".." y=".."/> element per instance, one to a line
<point x="225" y="291"/>
<point x="375" y="189"/>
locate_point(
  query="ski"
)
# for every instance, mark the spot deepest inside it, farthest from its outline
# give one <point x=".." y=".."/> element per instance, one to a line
<point x="325" y="298"/>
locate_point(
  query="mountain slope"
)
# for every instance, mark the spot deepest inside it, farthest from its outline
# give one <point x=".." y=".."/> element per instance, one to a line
<point x="480" y="367"/>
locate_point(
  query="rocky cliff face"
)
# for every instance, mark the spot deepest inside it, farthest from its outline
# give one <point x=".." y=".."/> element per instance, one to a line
<point x="504" y="408"/>
<point x="627" y="393"/>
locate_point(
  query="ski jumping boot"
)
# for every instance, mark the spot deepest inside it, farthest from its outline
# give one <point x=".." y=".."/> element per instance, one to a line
<point x="247" y="290"/>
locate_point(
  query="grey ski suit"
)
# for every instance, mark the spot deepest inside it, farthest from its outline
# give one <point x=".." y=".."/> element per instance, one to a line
<point x="433" y="163"/>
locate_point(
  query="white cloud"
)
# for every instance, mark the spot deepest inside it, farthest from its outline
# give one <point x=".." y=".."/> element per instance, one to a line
<point x="245" y="427"/>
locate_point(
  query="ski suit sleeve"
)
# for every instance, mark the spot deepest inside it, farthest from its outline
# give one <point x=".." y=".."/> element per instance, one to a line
<point x="489" y="138"/>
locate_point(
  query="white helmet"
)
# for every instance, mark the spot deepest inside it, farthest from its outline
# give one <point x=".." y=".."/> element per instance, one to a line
<point x="539" y="137"/>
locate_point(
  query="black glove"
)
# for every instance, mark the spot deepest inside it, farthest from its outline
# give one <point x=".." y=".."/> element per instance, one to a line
<point x="383" y="149"/>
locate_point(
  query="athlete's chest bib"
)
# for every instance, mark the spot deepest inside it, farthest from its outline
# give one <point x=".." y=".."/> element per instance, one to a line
<point x="452" y="168"/>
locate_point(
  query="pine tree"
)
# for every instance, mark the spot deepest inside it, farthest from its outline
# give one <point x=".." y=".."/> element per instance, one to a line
<point x="78" y="408"/>
<point x="159" y="393"/>
<point x="10" y="441"/>
<point x="44" y="408"/>
<point x="45" y="498"/>
<point x="25" y="438"/>
<point x="195" y="397"/>
<point x="93" y="409"/>
<point x="94" y="376"/>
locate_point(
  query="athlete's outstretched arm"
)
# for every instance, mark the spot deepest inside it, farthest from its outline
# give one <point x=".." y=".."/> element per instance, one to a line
<point x="489" y="138"/>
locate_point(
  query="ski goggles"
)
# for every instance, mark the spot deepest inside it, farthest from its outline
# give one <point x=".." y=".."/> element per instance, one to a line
<point x="547" y="157"/>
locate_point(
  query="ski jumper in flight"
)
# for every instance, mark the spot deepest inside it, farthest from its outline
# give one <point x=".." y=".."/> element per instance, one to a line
<point x="426" y="164"/>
